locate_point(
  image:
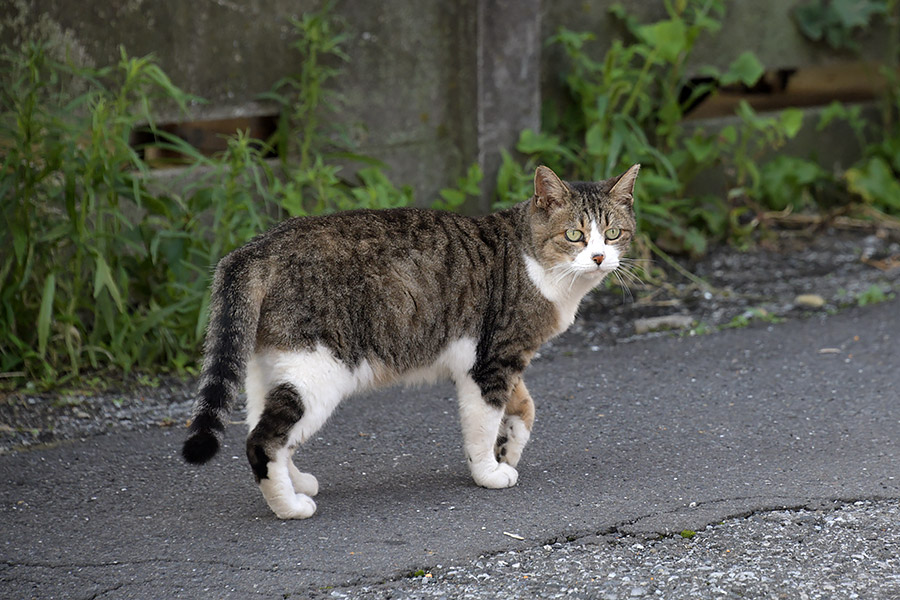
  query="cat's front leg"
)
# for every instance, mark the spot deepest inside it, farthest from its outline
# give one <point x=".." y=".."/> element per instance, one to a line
<point x="480" y="420"/>
<point x="515" y="429"/>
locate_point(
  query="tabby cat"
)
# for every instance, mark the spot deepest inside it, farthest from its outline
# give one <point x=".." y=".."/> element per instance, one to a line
<point x="318" y="308"/>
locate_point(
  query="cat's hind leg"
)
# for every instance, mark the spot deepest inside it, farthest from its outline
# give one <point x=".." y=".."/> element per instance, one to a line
<point x="269" y="450"/>
<point x="290" y="395"/>
<point x="515" y="428"/>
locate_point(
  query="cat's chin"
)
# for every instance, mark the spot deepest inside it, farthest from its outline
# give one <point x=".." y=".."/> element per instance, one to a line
<point x="596" y="273"/>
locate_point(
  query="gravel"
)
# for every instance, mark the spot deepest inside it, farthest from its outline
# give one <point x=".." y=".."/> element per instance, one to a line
<point x="30" y="420"/>
<point x="849" y="552"/>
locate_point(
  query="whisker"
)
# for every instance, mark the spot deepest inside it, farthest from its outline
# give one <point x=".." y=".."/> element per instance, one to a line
<point x="626" y="291"/>
<point x="633" y="277"/>
<point x="563" y="274"/>
<point x="574" y="279"/>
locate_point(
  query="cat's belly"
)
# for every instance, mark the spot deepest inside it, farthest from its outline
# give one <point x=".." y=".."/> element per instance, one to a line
<point x="322" y="375"/>
<point x="456" y="360"/>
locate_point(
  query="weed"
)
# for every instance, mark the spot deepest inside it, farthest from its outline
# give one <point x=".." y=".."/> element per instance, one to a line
<point x="106" y="268"/>
<point x="874" y="178"/>
<point x="752" y="315"/>
<point x="310" y="141"/>
<point x="74" y="185"/>
<point x="467" y="186"/>
<point x="687" y="534"/>
<point x="745" y="319"/>
<point x="836" y="21"/>
<point x="147" y="380"/>
<point x="629" y="108"/>
<point x="873" y="295"/>
<point x="702" y="329"/>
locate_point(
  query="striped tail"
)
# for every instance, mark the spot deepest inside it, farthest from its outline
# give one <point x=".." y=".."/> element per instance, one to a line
<point x="234" y="314"/>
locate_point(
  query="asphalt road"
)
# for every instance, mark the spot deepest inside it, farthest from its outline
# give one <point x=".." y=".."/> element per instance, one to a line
<point x="645" y="438"/>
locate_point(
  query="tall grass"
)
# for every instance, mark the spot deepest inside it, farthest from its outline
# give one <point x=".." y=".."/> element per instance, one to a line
<point x="104" y="266"/>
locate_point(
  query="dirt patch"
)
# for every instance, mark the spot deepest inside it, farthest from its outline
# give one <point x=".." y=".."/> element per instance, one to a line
<point x="840" y="268"/>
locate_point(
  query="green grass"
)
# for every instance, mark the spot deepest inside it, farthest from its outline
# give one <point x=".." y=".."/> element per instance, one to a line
<point x="105" y="270"/>
<point x="874" y="295"/>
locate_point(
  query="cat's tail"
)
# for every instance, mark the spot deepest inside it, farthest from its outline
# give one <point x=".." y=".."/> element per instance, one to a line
<point x="237" y="291"/>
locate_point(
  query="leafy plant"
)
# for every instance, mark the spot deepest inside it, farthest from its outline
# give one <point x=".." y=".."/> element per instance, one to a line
<point x="836" y="21"/>
<point x="630" y="107"/>
<point x="875" y="178"/>
<point x="751" y="315"/>
<point x="467" y="186"/>
<point x="873" y="295"/>
<point x="77" y="206"/>
<point x="109" y="268"/>
<point x="303" y="98"/>
<point x="790" y="182"/>
<point x="310" y="142"/>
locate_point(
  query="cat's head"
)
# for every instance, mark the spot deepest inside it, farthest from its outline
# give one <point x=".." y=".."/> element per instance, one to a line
<point x="582" y="228"/>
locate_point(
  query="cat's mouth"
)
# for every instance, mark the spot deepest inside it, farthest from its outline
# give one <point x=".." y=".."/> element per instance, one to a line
<point x="603" y="268"/>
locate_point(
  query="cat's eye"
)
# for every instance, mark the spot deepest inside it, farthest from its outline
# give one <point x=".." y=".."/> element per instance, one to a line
<point x="574" y="235"/>
<point x="613" y="233"/>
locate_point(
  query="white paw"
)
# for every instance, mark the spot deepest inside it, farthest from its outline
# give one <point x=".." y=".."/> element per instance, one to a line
<point x="285" y="503"/>
<point x="495" y="475"/>
<point x="303" y="507"/>
<point x="304" y="483"/>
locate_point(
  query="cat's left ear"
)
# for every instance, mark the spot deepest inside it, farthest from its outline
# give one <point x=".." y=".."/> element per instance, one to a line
<point x="623" y="189"/>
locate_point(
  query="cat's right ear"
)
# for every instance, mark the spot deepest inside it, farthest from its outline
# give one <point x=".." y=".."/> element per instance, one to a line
<point x="549" y="190"/>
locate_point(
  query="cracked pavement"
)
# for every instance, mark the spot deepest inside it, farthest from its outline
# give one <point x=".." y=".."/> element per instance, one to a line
<point x="633" y="443"/>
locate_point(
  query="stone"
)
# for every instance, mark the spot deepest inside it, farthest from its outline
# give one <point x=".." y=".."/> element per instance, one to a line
<point x="810" y="300"/>
<point x="663" y="323"/>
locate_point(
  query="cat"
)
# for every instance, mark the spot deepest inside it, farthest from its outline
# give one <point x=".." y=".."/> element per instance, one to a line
<point x="318" y="308"/>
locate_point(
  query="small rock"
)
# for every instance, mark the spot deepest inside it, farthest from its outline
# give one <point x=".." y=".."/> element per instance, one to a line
<point x="663" y="323"/>
<point x="810" y="300"/>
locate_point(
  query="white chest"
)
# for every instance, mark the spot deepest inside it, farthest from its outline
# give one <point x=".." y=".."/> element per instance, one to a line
<point x="564" y="290"/>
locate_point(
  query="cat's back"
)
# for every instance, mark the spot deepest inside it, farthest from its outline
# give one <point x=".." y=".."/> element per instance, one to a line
<point x="396" y="274"/>
<point x="357" y="231"/>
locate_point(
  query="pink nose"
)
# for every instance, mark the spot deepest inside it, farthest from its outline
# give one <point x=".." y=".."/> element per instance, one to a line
<point x="598" y="258"/>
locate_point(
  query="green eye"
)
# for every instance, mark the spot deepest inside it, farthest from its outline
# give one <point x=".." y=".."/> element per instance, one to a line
<point x="574" y="235"/>
<point x="613" y="233"/>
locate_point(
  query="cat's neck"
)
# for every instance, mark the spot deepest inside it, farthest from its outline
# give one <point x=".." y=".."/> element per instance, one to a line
<point x="564" y="289"/>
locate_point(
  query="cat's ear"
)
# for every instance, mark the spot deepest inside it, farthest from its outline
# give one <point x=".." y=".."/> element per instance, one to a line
<point x="623" y="189"/>
<point x="549" y="190"/>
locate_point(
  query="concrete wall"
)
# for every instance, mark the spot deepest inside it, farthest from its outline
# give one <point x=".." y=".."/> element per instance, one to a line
<point x="431" y="86"/>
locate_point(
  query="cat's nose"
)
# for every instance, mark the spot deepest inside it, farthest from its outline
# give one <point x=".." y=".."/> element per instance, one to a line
<point x="597" y="258"/>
